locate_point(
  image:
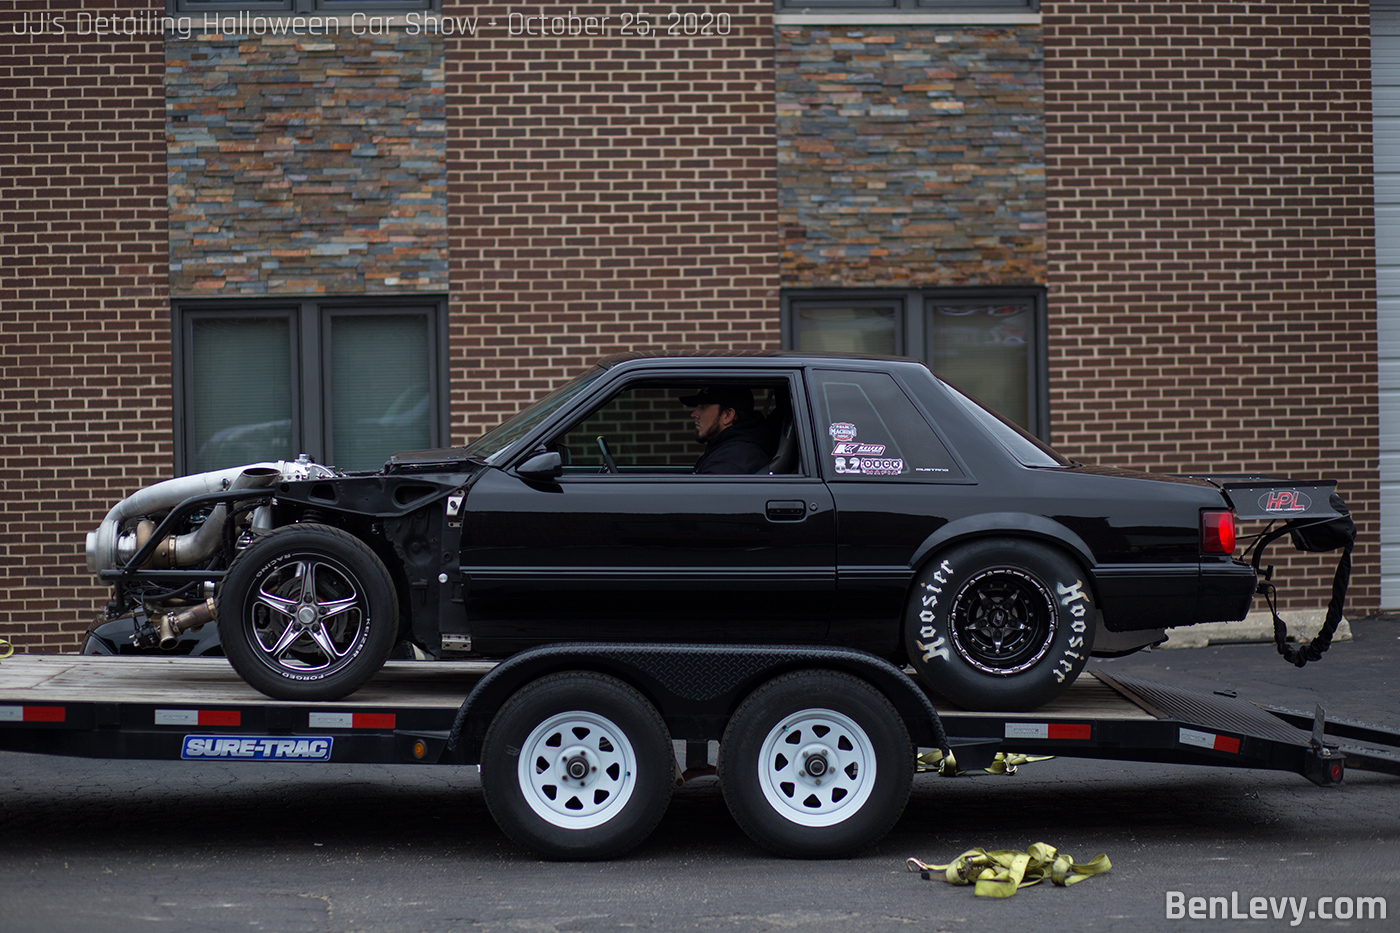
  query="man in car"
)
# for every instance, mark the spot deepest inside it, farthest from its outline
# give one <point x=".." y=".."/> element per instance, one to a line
<point x="736" y="438"/>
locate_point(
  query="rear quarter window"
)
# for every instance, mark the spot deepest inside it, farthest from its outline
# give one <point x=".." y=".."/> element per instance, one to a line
<point x="868" y="429"/>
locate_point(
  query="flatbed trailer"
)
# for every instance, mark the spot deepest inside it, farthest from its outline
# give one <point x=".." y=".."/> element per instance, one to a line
<point x="413" y="712"/>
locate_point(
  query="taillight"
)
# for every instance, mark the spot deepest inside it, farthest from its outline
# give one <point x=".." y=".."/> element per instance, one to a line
<point x="1218" y="532"/>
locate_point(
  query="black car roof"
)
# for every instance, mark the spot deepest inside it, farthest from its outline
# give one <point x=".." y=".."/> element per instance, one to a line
<point x="788" y="356"/>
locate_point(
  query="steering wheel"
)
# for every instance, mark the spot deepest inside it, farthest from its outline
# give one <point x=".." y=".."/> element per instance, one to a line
<point x="609" y="464"/>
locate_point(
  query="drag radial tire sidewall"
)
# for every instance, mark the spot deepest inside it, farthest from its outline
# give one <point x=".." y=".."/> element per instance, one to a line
<point x="611" y="732"/>
<point x="1000" y="624"/>
<point x="867" y="765"/>
<point x="354" y="589"/>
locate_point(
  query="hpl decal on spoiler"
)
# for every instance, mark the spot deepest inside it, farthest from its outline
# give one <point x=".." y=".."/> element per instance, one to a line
<point x="256" y="748"/>
<point x="1284" y="500"/>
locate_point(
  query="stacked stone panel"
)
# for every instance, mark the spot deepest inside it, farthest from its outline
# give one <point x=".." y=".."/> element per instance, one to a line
<point x="306" y="165"/>
<point x="910" y="155"/>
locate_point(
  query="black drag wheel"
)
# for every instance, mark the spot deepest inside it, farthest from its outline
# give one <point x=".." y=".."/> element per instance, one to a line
<point x="1000" y="624"/>
<point x="816" y="764"/>
<point x="577" y="765"/>
<point x="307" y="612"/>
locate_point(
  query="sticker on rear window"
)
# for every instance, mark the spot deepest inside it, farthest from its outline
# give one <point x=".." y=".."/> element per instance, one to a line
<point x="842" y="431"/>
<point x="870" y="466"/>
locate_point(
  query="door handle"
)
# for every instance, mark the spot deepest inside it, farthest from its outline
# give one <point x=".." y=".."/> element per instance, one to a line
<point x="787" y="510"/>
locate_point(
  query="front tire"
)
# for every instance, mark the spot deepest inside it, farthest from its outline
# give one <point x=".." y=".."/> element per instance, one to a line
<point x="1000" y="624"/>
<point x="816" y="764"/>
<point x="577" y="765"/>
<point x="307" y="612"/>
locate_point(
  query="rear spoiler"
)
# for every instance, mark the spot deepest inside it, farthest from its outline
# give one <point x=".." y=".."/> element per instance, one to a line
<point x="1317" y="519"/>
<point x="1270" y="498"/>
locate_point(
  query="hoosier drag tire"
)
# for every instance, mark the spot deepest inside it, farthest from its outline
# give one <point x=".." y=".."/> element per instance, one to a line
<point x="577" y="765"/>
<point x="816" y="764"/>
<point x="307" y="612"/>
<point x="1000" y="624"/>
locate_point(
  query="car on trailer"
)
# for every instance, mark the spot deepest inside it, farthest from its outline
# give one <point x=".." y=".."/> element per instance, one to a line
<point x="893" y="513"/>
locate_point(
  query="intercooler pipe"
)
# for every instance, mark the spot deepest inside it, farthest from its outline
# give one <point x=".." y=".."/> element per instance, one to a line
<point x="107" y="546"/>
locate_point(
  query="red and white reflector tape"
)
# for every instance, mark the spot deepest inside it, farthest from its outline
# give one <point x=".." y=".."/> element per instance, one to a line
<point x="198" y="717"/>
<point x="1049" y="730"/>
<point x="1218" y="743"/>
<point x="350" y="720"/>
<point x="33" y="714"/>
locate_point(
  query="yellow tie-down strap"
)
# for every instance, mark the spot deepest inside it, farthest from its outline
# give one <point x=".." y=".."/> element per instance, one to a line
<point x="1003" y="872"/>
<point x="6" y="649"/>
<point x="947" y="765"/>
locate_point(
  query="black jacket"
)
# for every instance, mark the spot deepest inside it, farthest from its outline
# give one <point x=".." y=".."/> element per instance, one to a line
<point x="739" y="448"/>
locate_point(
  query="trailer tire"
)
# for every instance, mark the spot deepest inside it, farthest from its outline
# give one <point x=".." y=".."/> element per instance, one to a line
<point x="577" y="765"/>
<point x="852" y="734"/>
<point x="307" y="612"/>
<point x="1000" y="624"/>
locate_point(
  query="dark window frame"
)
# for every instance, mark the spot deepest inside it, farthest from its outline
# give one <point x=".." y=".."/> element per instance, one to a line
<point x="908" y="6"/>
<point x="310" y="323"/>
<point x="913" y="337"/>
<point x="299" y="8"/>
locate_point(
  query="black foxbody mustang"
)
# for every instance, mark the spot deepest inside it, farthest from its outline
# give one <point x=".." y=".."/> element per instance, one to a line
<point x="895" y="514"/>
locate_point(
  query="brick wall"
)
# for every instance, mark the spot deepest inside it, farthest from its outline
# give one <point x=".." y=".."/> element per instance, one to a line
<point x="84" y="320"/>
<point x="910" y="155"/>
<point x="606" y="192"/>
<point x="306" y="165"/>
<point x="1211" y="251"/>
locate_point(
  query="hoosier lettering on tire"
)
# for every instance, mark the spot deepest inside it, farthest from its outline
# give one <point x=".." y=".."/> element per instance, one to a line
<point x="1000" y="624"/>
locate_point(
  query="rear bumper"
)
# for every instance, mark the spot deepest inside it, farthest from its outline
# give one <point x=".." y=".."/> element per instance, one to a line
<point x="1148" y="596"/>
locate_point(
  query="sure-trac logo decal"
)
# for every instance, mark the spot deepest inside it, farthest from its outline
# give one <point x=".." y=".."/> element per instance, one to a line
<point x="257" y="748"/>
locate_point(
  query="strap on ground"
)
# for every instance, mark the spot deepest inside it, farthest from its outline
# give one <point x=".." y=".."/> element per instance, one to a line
<point x="1004" y="872"/>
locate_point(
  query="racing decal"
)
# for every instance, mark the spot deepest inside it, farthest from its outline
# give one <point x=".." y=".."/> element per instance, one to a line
<point x="842" y="431"/>
<point x="1284" y="500"/>
<point x="930" y="643"/>
<point x="1076" y="600"/>
<point x="848" y="448"/>
<point x="870" y="466"/>
<point x="256" y="748"/>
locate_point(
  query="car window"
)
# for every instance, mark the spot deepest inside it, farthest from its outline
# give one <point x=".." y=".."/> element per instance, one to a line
<point x="1029" y="450"/>
<point x="648" y="429"/>
<point x="874" y="432"/>
<point x="493" y="444"/>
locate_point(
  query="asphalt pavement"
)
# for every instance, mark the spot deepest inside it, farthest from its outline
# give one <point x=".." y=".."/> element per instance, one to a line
<point x="131" y="845"/>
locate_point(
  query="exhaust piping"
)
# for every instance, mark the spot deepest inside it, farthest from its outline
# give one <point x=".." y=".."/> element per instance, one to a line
<point x="107" y="546"/>
<point x="172" y="624"/>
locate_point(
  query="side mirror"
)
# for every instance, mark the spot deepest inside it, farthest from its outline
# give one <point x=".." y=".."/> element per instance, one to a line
<point x="545" y="465"/>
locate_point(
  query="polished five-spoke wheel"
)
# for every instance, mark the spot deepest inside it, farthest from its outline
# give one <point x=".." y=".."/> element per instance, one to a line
<point x="307" y="612"/>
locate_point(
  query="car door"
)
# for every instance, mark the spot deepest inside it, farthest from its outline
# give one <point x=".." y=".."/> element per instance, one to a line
<point x="653" y="551"/>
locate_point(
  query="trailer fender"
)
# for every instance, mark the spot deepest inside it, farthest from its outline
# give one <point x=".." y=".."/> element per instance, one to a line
<point x="696" y="688"/>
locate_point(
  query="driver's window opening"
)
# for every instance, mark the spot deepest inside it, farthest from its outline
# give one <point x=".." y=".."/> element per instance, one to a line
<point x="647" y="429"/>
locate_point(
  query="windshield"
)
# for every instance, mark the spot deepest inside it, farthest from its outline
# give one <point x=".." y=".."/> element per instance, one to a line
<point x="1028" y="449"/>
<point x="491" y="445"/>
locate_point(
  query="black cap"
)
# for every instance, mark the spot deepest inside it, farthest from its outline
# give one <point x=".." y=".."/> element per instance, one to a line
<point x="739" y="398"/>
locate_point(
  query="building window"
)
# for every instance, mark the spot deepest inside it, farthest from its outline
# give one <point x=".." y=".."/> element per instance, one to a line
<point x="347" y="382"/>
<point x="297" y="8"/>
<point x="989" y="342"/>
